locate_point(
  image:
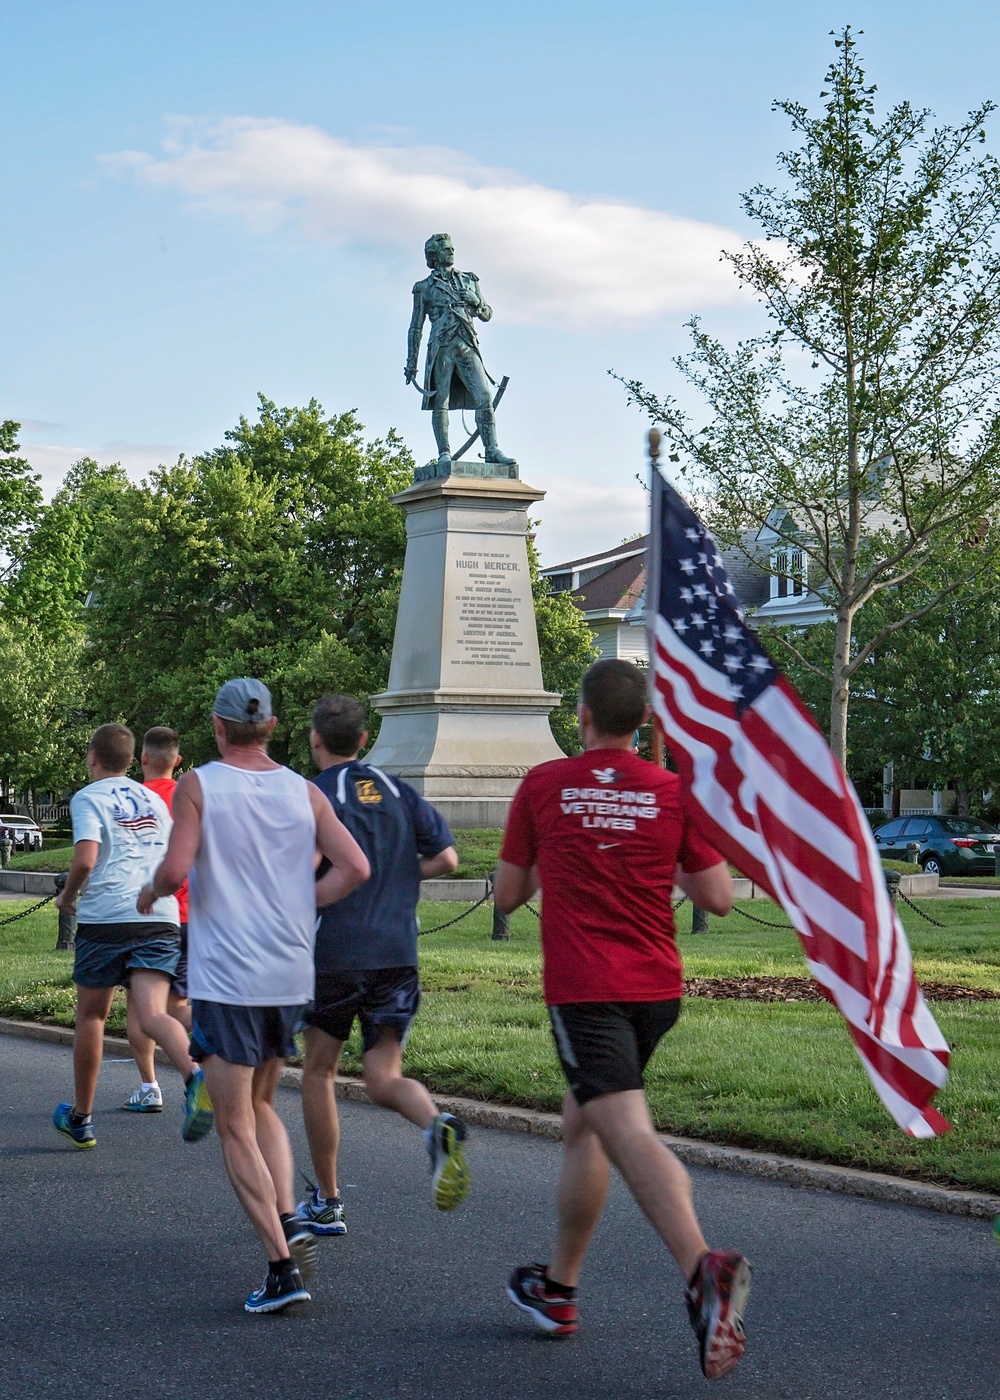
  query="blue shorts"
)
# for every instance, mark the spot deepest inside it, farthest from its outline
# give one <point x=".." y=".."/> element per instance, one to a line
<point x="386" y="996"/>
<point x="106" y="953"/>
<point x="243" y="1035"/>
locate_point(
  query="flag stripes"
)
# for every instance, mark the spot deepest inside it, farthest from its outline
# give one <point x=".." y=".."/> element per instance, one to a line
<point x="764" y="788"/>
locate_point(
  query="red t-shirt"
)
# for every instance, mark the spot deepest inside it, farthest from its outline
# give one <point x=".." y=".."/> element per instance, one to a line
<point x="164" y="787"/>
<point x="606" y="831"/>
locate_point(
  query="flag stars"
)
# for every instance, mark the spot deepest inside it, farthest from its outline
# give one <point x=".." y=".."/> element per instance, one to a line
<point x="759" y="664"/>
<point x="732" y="633"/>
<point x="687" y="567"/>
<point x="733" y="663"/>
<point x="706" y="647"/>
<point x="692" y="534"/>
<point x="700" y="591"/>
<point x="698" y="620"/>
<point x="681" y="626"/>
<point x="687" y="596"/>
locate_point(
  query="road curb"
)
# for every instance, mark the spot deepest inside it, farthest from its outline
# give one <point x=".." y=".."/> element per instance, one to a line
<point x="793" y="1171"/>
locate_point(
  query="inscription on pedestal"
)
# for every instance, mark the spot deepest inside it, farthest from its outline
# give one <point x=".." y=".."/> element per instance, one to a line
<point x="491" y="602"/>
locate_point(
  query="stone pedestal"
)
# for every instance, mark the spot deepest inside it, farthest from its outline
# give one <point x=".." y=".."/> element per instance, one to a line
<point x="465" y="715"/>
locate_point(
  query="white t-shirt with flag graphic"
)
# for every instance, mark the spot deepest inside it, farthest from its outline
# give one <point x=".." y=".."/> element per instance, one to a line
<point x="132" y="826"/>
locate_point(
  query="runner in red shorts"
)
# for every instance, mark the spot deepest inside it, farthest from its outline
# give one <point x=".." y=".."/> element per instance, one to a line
<point x="604" y="837"/>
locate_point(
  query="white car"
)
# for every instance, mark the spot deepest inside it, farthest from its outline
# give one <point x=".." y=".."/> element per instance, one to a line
<point x="25" y="835"/>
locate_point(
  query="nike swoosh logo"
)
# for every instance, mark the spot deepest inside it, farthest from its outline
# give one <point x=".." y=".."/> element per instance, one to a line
<point x="606" y="845"/>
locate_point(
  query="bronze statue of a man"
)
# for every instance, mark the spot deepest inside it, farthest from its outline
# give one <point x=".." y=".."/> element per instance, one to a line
<point x="455" y="376"/>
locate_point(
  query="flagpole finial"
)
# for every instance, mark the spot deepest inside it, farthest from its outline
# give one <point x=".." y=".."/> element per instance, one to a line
<point x="654" y="445"/>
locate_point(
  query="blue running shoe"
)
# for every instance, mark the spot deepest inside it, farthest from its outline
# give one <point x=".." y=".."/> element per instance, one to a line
<point x="199" y="1117"/>
<point x="322" y="1217"/>
<point x="277" y="1292"/>
<point x="80" y="1136"/>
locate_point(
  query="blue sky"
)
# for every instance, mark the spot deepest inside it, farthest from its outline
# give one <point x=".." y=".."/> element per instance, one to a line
<point x="203" y="201"/>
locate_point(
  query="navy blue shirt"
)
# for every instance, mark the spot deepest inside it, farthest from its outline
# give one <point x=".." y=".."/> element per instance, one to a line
<point x="376" y="925"/>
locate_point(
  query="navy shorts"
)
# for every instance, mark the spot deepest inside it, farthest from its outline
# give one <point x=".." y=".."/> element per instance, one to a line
<point x="604" y="1046"/>
<point x="106" y="953"/>
<point x="180" y="987"/>
<point x="243" y="1035"/>
<point x="385" y="996"/>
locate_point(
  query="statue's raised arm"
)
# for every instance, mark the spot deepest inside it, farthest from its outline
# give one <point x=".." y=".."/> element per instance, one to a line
<point x="454" y="373"/>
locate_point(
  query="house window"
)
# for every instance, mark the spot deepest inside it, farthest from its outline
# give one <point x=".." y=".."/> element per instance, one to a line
<point x="788" y="572"/>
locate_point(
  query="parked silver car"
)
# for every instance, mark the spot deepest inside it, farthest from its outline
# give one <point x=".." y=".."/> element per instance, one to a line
<point x="25" y="835"/>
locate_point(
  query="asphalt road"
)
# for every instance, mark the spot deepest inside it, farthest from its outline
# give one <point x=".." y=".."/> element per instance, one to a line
<point x="125" y="1268"/>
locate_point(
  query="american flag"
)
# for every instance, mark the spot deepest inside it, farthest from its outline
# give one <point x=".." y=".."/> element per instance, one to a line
<point x="765" y="790"/>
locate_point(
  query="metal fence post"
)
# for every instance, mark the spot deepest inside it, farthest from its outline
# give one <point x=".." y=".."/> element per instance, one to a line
<point x="699" y="920"/>
<point x="501" y="922"/>
<point x="892" y="884"/>
<point x="66" y="938"/>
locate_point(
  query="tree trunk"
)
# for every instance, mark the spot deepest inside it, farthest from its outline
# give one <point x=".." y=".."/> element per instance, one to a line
<point x="840" y="691"/>
<point x="963" y="801"/>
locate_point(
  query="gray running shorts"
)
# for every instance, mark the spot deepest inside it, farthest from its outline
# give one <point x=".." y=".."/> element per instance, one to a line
<point x="244" y="1035"/>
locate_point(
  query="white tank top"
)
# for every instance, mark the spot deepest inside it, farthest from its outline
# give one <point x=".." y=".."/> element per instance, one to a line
<point x="252" y="910"/>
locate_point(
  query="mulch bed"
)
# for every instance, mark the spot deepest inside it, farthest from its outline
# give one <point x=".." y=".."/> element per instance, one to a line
<point x="805" y="989"/>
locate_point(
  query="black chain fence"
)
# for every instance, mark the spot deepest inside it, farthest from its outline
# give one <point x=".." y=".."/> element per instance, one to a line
<point x="25" y="912"/>
<point x="909" y="902"/>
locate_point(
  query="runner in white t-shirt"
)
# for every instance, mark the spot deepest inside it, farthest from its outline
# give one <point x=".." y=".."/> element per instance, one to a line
<point x="246" y="830"/>
<point x="120" y="833"/>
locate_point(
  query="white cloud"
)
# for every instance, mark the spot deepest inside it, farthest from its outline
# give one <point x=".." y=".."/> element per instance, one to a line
<point x="547" y="256"/>
<point x="52" y="461"/>
<point x="581" y="517"/>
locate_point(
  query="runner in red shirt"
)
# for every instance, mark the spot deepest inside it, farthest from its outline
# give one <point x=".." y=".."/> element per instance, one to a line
<point x="159" y="758"/>
<point x="604" y="837"/>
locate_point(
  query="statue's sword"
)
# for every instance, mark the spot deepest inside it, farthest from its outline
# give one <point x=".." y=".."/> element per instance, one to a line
<point x="427" y="393"/>
<point x="496" y="399"/>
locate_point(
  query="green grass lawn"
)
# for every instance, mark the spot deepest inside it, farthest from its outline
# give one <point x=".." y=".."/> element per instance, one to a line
<point x="776" y="1075"/>
<point x="54" y="855"/>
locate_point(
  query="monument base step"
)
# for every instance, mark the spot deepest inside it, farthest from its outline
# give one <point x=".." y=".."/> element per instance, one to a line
<point x="463" y="813"/>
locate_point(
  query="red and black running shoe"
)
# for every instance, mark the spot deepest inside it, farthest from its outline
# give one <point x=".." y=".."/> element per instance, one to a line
<point x="553" y="1310"/>
<point x="716" y="1300"/>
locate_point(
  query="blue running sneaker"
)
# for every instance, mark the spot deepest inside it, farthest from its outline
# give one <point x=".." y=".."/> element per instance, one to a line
<point x="277" y="1292"/>
<point x="450" y="1176"/>
<point x="80" y="1136"/>
<point x="322" y="1217"/>
<point x="199" y="1117"/>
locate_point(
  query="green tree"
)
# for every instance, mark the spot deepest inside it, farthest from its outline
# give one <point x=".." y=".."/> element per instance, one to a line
<point x="867" y="413"/>
<point x="43" y="724"/>
<point x="928" y="698"/>
<point x="566" y="645"/>
<point x="20" y="499"/>
<point x="277" y="555"/>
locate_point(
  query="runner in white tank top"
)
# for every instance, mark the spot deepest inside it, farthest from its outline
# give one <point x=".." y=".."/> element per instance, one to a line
<point x="246" y="831"/>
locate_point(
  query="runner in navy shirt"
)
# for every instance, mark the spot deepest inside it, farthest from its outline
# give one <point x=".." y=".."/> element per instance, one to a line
<point x="366" y="962"/>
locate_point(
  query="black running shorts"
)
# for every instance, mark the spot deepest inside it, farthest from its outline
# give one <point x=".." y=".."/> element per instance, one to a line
<point x="243" y="1035"/>
<point x="384" y="996"/>
<point x="604" y="1046"/>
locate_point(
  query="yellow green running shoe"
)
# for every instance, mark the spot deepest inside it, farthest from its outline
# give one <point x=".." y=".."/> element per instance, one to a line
<point x="450" y="1176"/>
<point x="80" y="1134"/>
<point x="199" y="1116"/>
